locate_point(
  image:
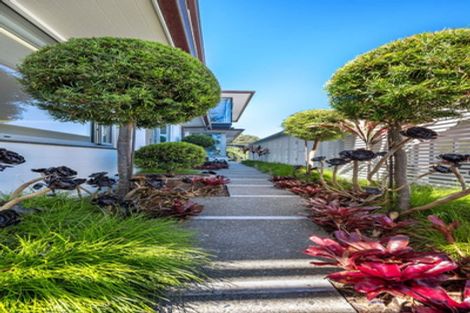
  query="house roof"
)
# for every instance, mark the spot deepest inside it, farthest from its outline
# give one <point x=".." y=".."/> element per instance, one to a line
<point x="240" y="99"/>
<point x="28" y="25"/>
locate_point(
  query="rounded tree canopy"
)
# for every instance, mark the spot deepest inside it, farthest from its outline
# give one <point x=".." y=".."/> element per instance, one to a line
<point x="119" y="81"/>
<point x="320" y="125"/>
<point x="201" y="140"/>
<point x="412" y="80"/>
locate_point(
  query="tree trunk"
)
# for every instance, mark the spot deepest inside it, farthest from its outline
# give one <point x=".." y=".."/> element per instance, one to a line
<point x="310" y="155"/>
<point x="125" y="151"/>
<point x="399" y="169"/>
<point x="355" y="177"/>
<point x="306" y="154"/>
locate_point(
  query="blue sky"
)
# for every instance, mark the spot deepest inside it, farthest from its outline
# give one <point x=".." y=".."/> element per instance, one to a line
<point x="286" y="50"/>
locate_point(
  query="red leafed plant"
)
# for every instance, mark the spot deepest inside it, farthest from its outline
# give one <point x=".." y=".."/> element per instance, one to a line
<point x="334" y="216"/>
<point x="185" y="208"/>
<point x="212" y="180"/>
<point x="446" y="229"/>
<point x="288" y="183"/>
<point x="307" y="190"/>
<point x="438" y="301"/>
<point x="278" y="178"/>
<point x="383" y="223"/>
<point x="389" y="266"/>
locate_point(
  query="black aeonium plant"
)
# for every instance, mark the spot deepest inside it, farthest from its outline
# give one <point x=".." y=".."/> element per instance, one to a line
<point x="58" y="178"/>
<point x="418" y="132"/>
<point x="441" y="169"/>
<point x="337" y="161"/>
<point x="318" y="159"/>
<point x="8" y="158"/>
<point x="362" y="155"/>
<point x="373" y="191"/>
<point x="345" y="154"/>
<point x="455" y="158"/>
<point x="101" y="180"/>
<point x="63" y="183"/>
<point x="60" y="171"/>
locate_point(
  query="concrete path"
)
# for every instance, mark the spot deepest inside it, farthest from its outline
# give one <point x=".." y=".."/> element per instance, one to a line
<point x="257" y="237"/>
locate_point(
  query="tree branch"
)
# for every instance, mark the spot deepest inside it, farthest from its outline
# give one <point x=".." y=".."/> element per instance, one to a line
<point x="15" y="201"/>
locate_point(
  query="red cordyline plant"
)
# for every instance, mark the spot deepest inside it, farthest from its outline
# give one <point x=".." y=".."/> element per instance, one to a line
<point x="287" y="183"/>
<point x="212" y="180"/>
<point x="308" y="190"/>
<point x="439" y="301"/>
<point x="334" y="216"/>
<point x="385" y="223"/>
<point x="389" y="266"/>
<point x="446" y="229"/>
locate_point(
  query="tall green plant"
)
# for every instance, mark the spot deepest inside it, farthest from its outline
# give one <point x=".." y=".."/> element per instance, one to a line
<point x="128" y="82"/>
<point x="313" y="125"/>
<point x="409" y="81"/>
<point x="70" y="257"/>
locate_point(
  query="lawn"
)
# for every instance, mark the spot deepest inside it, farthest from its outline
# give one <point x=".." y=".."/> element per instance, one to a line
<point x="422" y="233"/>
<point x="70" y="257"/>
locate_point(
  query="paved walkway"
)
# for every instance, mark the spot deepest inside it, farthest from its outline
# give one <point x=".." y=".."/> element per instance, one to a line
<point x="257" y="237"/>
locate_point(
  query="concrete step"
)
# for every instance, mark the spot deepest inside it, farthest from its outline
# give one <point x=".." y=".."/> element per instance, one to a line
<point x="252" y="206"/>
<point x="242" y="190"/>
<point x="266" y="239"/>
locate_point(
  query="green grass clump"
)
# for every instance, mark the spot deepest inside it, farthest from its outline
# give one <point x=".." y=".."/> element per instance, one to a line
<point x="426" y="236"/>
<point x="281" y="169"/>
<point x="72" y="258"/>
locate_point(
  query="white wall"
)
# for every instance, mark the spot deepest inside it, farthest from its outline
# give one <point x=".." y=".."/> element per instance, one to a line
<point x="84" y="160"/>
<point x="454" y="137"/>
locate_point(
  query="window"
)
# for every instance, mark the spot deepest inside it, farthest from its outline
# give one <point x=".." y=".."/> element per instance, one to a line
<point x="222" y="113"/>
<point x="161" y="134"/>
<point x="18" y="116"/>
<point x="102" y="134"/>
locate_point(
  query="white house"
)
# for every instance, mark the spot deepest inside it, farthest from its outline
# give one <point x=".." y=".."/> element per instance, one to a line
<point x="28" y="25"/>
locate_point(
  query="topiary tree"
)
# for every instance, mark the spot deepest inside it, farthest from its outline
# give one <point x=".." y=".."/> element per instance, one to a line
<point x="313" y="125"/>
<point x="170" y="156"/>
<point x="202" y="140"/>
<point x="409" y="81"/>
<point x="128" y="82"/>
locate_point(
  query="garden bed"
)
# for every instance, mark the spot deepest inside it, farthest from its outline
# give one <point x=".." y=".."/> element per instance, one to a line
<point x="442" y="233"/>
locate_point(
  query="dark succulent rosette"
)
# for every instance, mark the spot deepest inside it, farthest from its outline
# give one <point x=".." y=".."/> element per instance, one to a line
<point x="63" y="183"/>
<point x="209" y="172"/>
<point x="441" y="169"/>
<point x="318" y="158"/>
<point x="3" y="167"/>
<point x="59" y="171"/>
<point x="10" y="157"/>
<point x="373" y="191"/>
<point x="453" y="157"/>
<point x="8" y="217"/>
<point x="362" y="155"/>
<point x="337" y="161"/>
<point x="106" y="200"/>
<point x="58" y="178"/>
<point x="101" y="180"/>
<point x="346" y="154"/>
<point x="417" y="132"/>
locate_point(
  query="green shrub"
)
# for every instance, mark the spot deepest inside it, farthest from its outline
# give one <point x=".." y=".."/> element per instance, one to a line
<point x="73" y="258"/>
<point x="170" y="156"/>
<point x="202" y="140"/>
